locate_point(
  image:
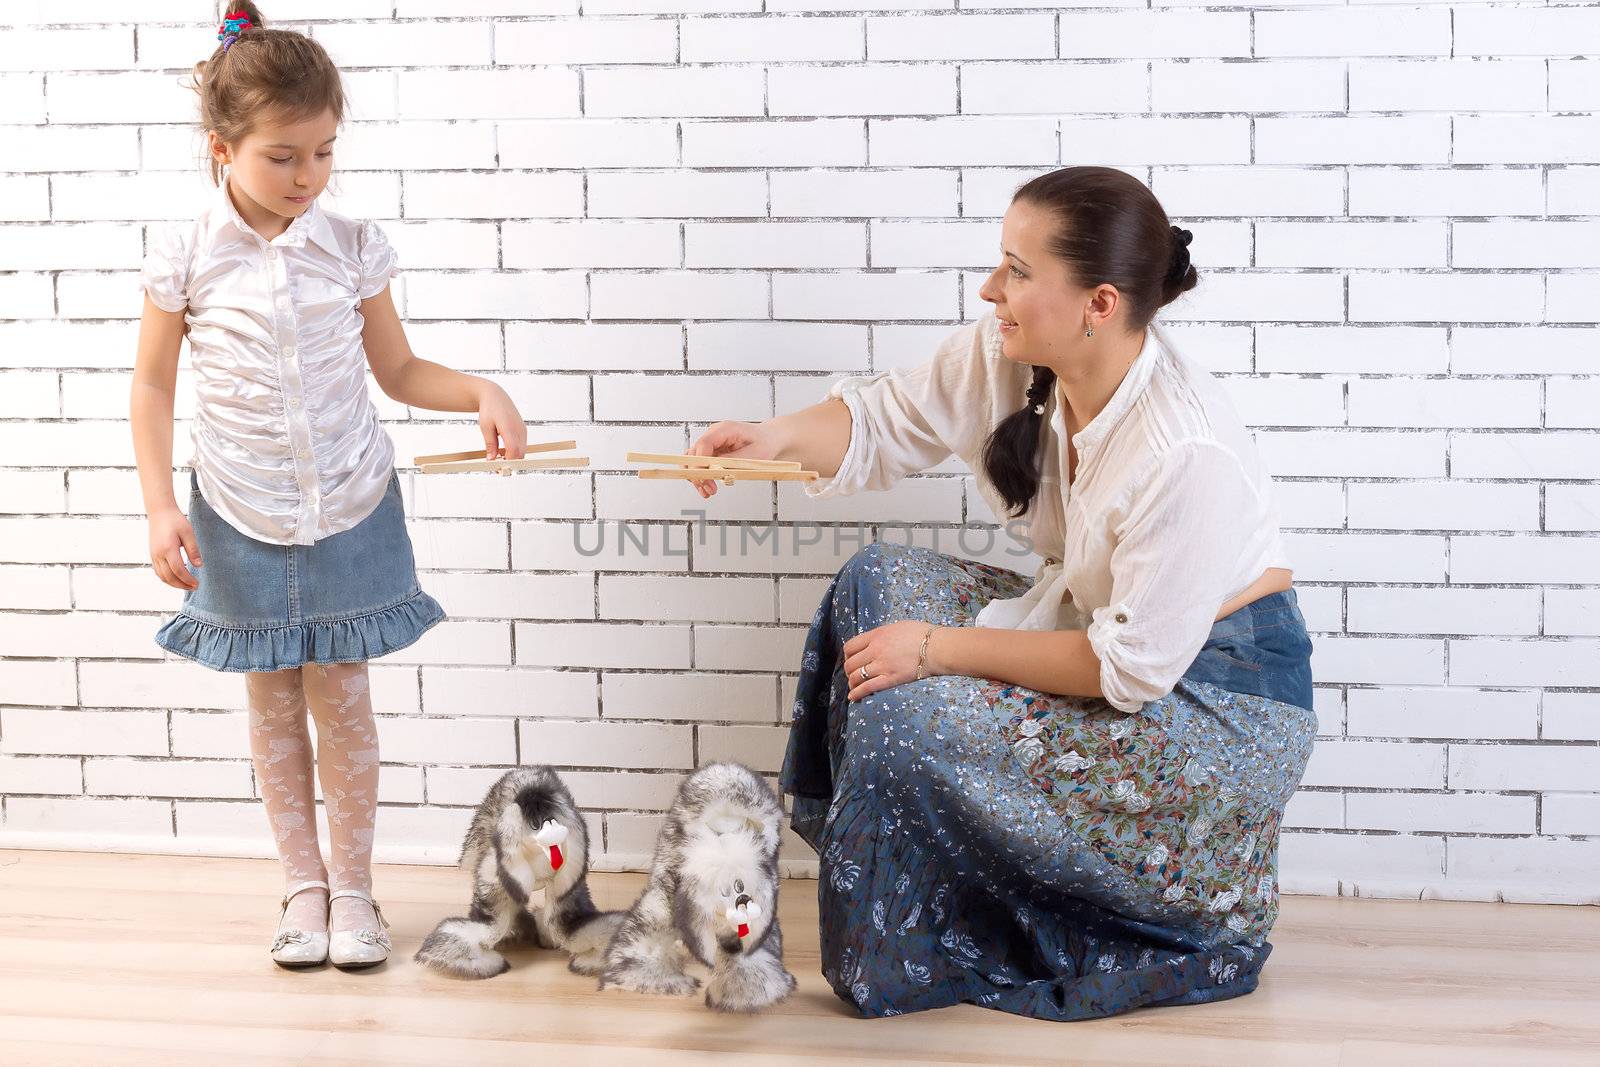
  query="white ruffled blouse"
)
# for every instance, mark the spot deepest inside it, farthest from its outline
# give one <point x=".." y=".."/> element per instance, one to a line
<point x="287" y="445"/>
<point x="1169" y="515"/>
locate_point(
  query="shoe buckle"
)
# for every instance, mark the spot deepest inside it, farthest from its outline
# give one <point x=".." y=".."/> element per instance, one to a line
<point x="373" y="937"/>
<point x="289" y="937"/>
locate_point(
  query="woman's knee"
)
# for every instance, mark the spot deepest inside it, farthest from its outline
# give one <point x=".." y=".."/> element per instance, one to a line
<point x="881" y="569"/>
<point x="872" y="559"/>
<point x="891" y="554"/>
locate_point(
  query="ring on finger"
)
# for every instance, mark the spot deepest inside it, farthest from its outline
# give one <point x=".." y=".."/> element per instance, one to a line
<point x="865" y="674"/>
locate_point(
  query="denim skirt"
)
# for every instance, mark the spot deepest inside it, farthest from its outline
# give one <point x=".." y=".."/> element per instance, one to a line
<point x="264" y="607"/>
<point x="1045" y="855"/>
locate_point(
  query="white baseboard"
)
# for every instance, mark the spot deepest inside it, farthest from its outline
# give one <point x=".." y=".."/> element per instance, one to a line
<point x="436" y="855"/>
<point x="431" y="855"/>
<point x="426" y="855"/>
<point x="1492" y="892"/>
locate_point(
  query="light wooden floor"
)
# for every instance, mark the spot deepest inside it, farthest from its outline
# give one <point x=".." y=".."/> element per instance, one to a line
<point x="109" y="959"/>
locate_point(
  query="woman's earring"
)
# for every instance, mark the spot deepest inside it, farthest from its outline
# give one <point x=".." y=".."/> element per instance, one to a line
<point x="1090" y="331"/>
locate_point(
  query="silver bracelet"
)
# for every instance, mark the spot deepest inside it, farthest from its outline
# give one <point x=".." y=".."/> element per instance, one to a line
<point x="922" y="654"/>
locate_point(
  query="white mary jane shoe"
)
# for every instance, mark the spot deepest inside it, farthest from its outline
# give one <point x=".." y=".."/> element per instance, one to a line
<point x="299" y="948"/>
<point x="359" y="948"/>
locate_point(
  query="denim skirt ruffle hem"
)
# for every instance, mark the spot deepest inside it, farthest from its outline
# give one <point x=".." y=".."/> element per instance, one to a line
<point x="350" y="597"/>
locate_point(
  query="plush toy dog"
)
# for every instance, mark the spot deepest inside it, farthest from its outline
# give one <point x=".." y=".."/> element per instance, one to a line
<point x="526" y="840"/>
<point x="712" y="896"/>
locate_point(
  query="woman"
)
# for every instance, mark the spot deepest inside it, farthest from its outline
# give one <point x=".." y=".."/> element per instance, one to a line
<point x="1065" y="804"/>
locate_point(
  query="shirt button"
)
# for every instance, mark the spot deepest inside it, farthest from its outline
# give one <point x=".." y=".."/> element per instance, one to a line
<point x="305" y="453"/>
<point x="1120" y="617"/>
<point x="294" y="401"/>
<point x="272" y="253"/>
<point x="289" y="351"/>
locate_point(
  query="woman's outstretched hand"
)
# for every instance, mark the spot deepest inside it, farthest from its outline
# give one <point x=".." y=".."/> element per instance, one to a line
<point x="737" y="440"/>
<point x="890" y="655"/>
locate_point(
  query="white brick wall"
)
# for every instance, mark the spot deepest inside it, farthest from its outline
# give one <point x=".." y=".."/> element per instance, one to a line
<point x="658" y="213"/>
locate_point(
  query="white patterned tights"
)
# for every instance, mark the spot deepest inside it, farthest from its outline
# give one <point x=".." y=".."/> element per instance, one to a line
<point x="347" y="764"/>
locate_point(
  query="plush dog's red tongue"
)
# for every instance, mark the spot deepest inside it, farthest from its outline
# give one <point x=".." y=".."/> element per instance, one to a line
<point x="551" y="835"/>
<point x="744" y="929"/>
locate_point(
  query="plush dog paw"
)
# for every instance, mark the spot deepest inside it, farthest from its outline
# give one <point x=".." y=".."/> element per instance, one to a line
<point x="748" y="988"/>
<point x="663" y="983"/>
<point x="680" y="985"/>
<point x="589" y="963"/>
<point x="460" y="948"/>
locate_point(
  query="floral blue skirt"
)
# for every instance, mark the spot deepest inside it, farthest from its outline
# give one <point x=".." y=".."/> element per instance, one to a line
<point x="1044" y="855"/>
<point x="263" y="607"/>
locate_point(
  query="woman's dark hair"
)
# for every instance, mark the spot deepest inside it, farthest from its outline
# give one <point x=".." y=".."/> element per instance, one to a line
<point x="256" y="72"/>
<point x="1109" y="230"/>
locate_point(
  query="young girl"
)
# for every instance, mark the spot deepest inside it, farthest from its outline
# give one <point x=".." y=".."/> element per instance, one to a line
<point x="299" y="569"/>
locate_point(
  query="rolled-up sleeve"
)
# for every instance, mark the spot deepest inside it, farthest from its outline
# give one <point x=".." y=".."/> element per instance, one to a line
<point x="905" y="421"/>
<point x="1175" y="558"/>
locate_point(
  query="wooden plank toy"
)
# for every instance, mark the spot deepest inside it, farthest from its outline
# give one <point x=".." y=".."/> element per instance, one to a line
<point x="724" y="469"/>
<point x="463" y="462"/>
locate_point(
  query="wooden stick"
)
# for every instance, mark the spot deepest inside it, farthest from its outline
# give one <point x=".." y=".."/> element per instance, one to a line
<point x="727" y="462"/>
<point x="729" y="475"/>
<point x="503" y="466"/>
<point x="447" y="457"/>
<point x="452" y="457"/>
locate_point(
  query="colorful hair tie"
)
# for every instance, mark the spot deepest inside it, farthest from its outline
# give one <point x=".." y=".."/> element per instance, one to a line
<point x="232" y="27"/>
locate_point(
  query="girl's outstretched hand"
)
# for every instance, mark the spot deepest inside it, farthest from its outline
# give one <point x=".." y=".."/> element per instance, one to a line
<point x="505" y="435"/>
<point x="739" y="440"/>
<point x="169" y="532"/>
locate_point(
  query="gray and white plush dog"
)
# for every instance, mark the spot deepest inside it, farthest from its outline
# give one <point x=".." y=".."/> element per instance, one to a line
<point x="526" y="837"/>
<point x="712" y="896"/>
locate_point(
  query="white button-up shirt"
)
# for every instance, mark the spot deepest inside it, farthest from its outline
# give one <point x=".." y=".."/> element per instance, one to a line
<point x="287" y="445"/>
<point x="1168" y="516"/>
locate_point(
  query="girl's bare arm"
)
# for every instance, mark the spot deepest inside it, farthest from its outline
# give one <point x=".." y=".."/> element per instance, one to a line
<point x="155" y="375"/>
<point x="417" y="382"/>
